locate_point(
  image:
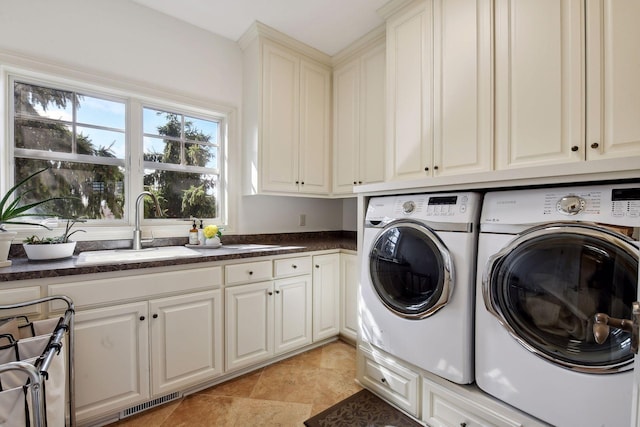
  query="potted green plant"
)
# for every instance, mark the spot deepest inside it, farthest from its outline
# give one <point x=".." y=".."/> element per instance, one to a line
<point x="13" y="211"/>
<point x="47" y="248"/>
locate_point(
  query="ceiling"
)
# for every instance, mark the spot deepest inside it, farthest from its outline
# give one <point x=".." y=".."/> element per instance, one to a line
<point x="327" y="25"/>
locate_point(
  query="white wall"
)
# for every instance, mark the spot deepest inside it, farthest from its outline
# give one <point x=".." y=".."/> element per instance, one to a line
<point x="122" y="41"/>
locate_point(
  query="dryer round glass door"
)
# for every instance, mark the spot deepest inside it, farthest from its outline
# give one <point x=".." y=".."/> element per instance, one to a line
<point x="410" y="269"/>
<point x="546" y="286"/>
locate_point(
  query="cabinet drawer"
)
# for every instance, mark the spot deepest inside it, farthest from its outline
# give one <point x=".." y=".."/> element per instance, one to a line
<point x="442" y="407"/>
<point x="18" y="295"/>
<point x="390" y="380"/>
<point x="109" y="290"/>
<point x="248" y="272"/>
<point x="292" y="266"/>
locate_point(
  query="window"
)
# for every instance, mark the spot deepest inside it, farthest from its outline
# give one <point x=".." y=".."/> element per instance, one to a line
<point x="181" y="162"/>
<point x="81" y="138"/>
<point x="87" y="141"/>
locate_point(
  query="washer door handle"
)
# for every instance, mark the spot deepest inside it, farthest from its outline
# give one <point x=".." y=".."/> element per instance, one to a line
<point x="604" y="322"/>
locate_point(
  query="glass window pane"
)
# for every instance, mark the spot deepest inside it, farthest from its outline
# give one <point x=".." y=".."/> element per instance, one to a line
<point x="100" y="142"/>
<point x="97" y="191"/>
<point x="184" y="194"/>
<point x="156" y="122"/>
<point x="43" y="102"/>
<point x="161" y="150"/>
<point x="201" y="130"/>
<point x="201" y="155"/>
<point x="100" y="112"/>
<point x="38" y="135"/>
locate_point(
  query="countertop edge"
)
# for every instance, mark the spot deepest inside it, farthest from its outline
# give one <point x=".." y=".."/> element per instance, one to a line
<point x="23" y="269"/>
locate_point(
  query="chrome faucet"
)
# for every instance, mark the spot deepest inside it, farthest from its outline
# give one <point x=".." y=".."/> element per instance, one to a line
<point x="137" y="233"/>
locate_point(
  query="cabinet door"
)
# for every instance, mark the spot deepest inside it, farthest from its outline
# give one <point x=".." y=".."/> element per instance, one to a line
<point x="111" y="359"/>
<point x="186" y="340"/>
<point x="249" y="324"/>
<point x="315" y="128"/>
<point x="539" y="81"/>
<point x="346" y="126"/>
<point x="463" y="132"/>
<point x="409" y="95"/>
<point x="280" y="119"/>
<point x="371" y="152"/>
<point x="349" y="317"/>
<point x="292" y="301"/>
<point x="326" y="296"/>
<point x="613" y="73"/>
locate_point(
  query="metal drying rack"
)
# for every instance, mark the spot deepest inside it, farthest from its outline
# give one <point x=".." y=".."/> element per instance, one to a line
<point x="37" y="371"/>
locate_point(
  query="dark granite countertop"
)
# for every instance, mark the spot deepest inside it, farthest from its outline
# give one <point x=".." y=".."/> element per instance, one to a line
<point x="289" y="243"/>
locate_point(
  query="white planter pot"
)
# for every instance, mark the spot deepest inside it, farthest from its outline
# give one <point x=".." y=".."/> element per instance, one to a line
<point x="49" y="251"/>
<point x="214" y="242"/>
<point x="5" y="244"/>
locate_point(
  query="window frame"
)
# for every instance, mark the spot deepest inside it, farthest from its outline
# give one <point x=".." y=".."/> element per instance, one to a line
<point x="133" y="163"/>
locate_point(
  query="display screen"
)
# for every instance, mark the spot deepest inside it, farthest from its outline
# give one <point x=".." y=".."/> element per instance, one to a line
<point x="445" y="200"/>
<point x="620" y="194"/>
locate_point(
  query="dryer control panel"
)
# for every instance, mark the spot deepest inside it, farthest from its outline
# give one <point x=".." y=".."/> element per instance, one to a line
<point x="456" y="207"/>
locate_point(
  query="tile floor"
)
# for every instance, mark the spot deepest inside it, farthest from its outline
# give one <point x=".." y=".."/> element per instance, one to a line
<point x="283" y="394"/>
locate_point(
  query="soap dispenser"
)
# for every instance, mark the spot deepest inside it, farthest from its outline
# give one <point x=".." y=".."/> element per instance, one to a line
<point x="193" y="234"/>
<point x="201" y="234"/>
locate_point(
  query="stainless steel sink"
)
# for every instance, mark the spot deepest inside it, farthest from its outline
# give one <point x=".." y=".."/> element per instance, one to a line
<point x="250" y="247"/>
<point x="135" y="255"/>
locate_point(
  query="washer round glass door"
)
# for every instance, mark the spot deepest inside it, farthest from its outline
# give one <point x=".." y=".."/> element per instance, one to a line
<point x="546" y="286"/>
<point x="411" y="269"/>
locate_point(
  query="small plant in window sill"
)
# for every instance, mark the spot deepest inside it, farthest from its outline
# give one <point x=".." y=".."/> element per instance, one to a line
<point x="48" y="248"/>
<point x="15" y="211"/>
<point x="63" y="238"/>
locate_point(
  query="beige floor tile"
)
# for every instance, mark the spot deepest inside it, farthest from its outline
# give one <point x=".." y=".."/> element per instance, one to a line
<point x="204" y="410"/>
<point x="283" y="394"/>
<point x="255" y="412"/>
<point x="238" y="387"/>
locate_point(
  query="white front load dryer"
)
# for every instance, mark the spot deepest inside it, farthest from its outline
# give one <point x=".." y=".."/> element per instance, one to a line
<point x="549" y="260"/>
<point x="417" y="284"/>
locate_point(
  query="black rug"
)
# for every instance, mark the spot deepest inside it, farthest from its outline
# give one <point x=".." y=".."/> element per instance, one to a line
<point x="363" y="409"/>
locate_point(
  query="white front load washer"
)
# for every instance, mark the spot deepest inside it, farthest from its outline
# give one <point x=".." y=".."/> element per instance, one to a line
<point x="549" y="260"/>
<point x="417" y="284"/>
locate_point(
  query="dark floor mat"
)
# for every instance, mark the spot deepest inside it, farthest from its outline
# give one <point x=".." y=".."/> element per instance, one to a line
<point x="363" y="409"/>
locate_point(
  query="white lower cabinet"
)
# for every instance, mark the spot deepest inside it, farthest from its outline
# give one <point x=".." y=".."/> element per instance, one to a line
<point x="388" y="378"/>
<point x="249" y="325"/>
<point x="186" y="340"/>
<point x="349" y="296"/>
<point x="177" y="339"/>
<point x="167" y="338"/>
<point x="446" y="404"/>
<point x="111" y="359"/>
<point x="268" y="318"/>
<point x="326" y="296"/>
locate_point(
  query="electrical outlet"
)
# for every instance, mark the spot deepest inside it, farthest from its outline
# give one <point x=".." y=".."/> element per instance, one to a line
<point x="302" y="220"/>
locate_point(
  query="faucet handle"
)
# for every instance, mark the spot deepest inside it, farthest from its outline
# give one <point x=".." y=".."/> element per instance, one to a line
<point x="148" y="240"/>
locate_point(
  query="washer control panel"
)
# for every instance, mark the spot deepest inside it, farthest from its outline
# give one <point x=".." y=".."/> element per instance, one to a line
<point x="617" y="204"/>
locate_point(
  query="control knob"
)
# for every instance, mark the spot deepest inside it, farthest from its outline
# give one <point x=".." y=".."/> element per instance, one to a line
<point x="570" y="205"/>
<point x="408" y="207"/>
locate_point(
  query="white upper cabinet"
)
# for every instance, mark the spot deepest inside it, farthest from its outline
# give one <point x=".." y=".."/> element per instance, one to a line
<point x="613" y="79"/>
<point x="359" y="114"/>
<point x="539" y="82"/>
<point x="287" y="116"/>
<point x="439" y="110"/>
<point x="552" y="82"/>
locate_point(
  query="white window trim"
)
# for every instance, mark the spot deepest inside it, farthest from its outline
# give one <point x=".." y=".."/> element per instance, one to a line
<point x="137" y="96"/>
